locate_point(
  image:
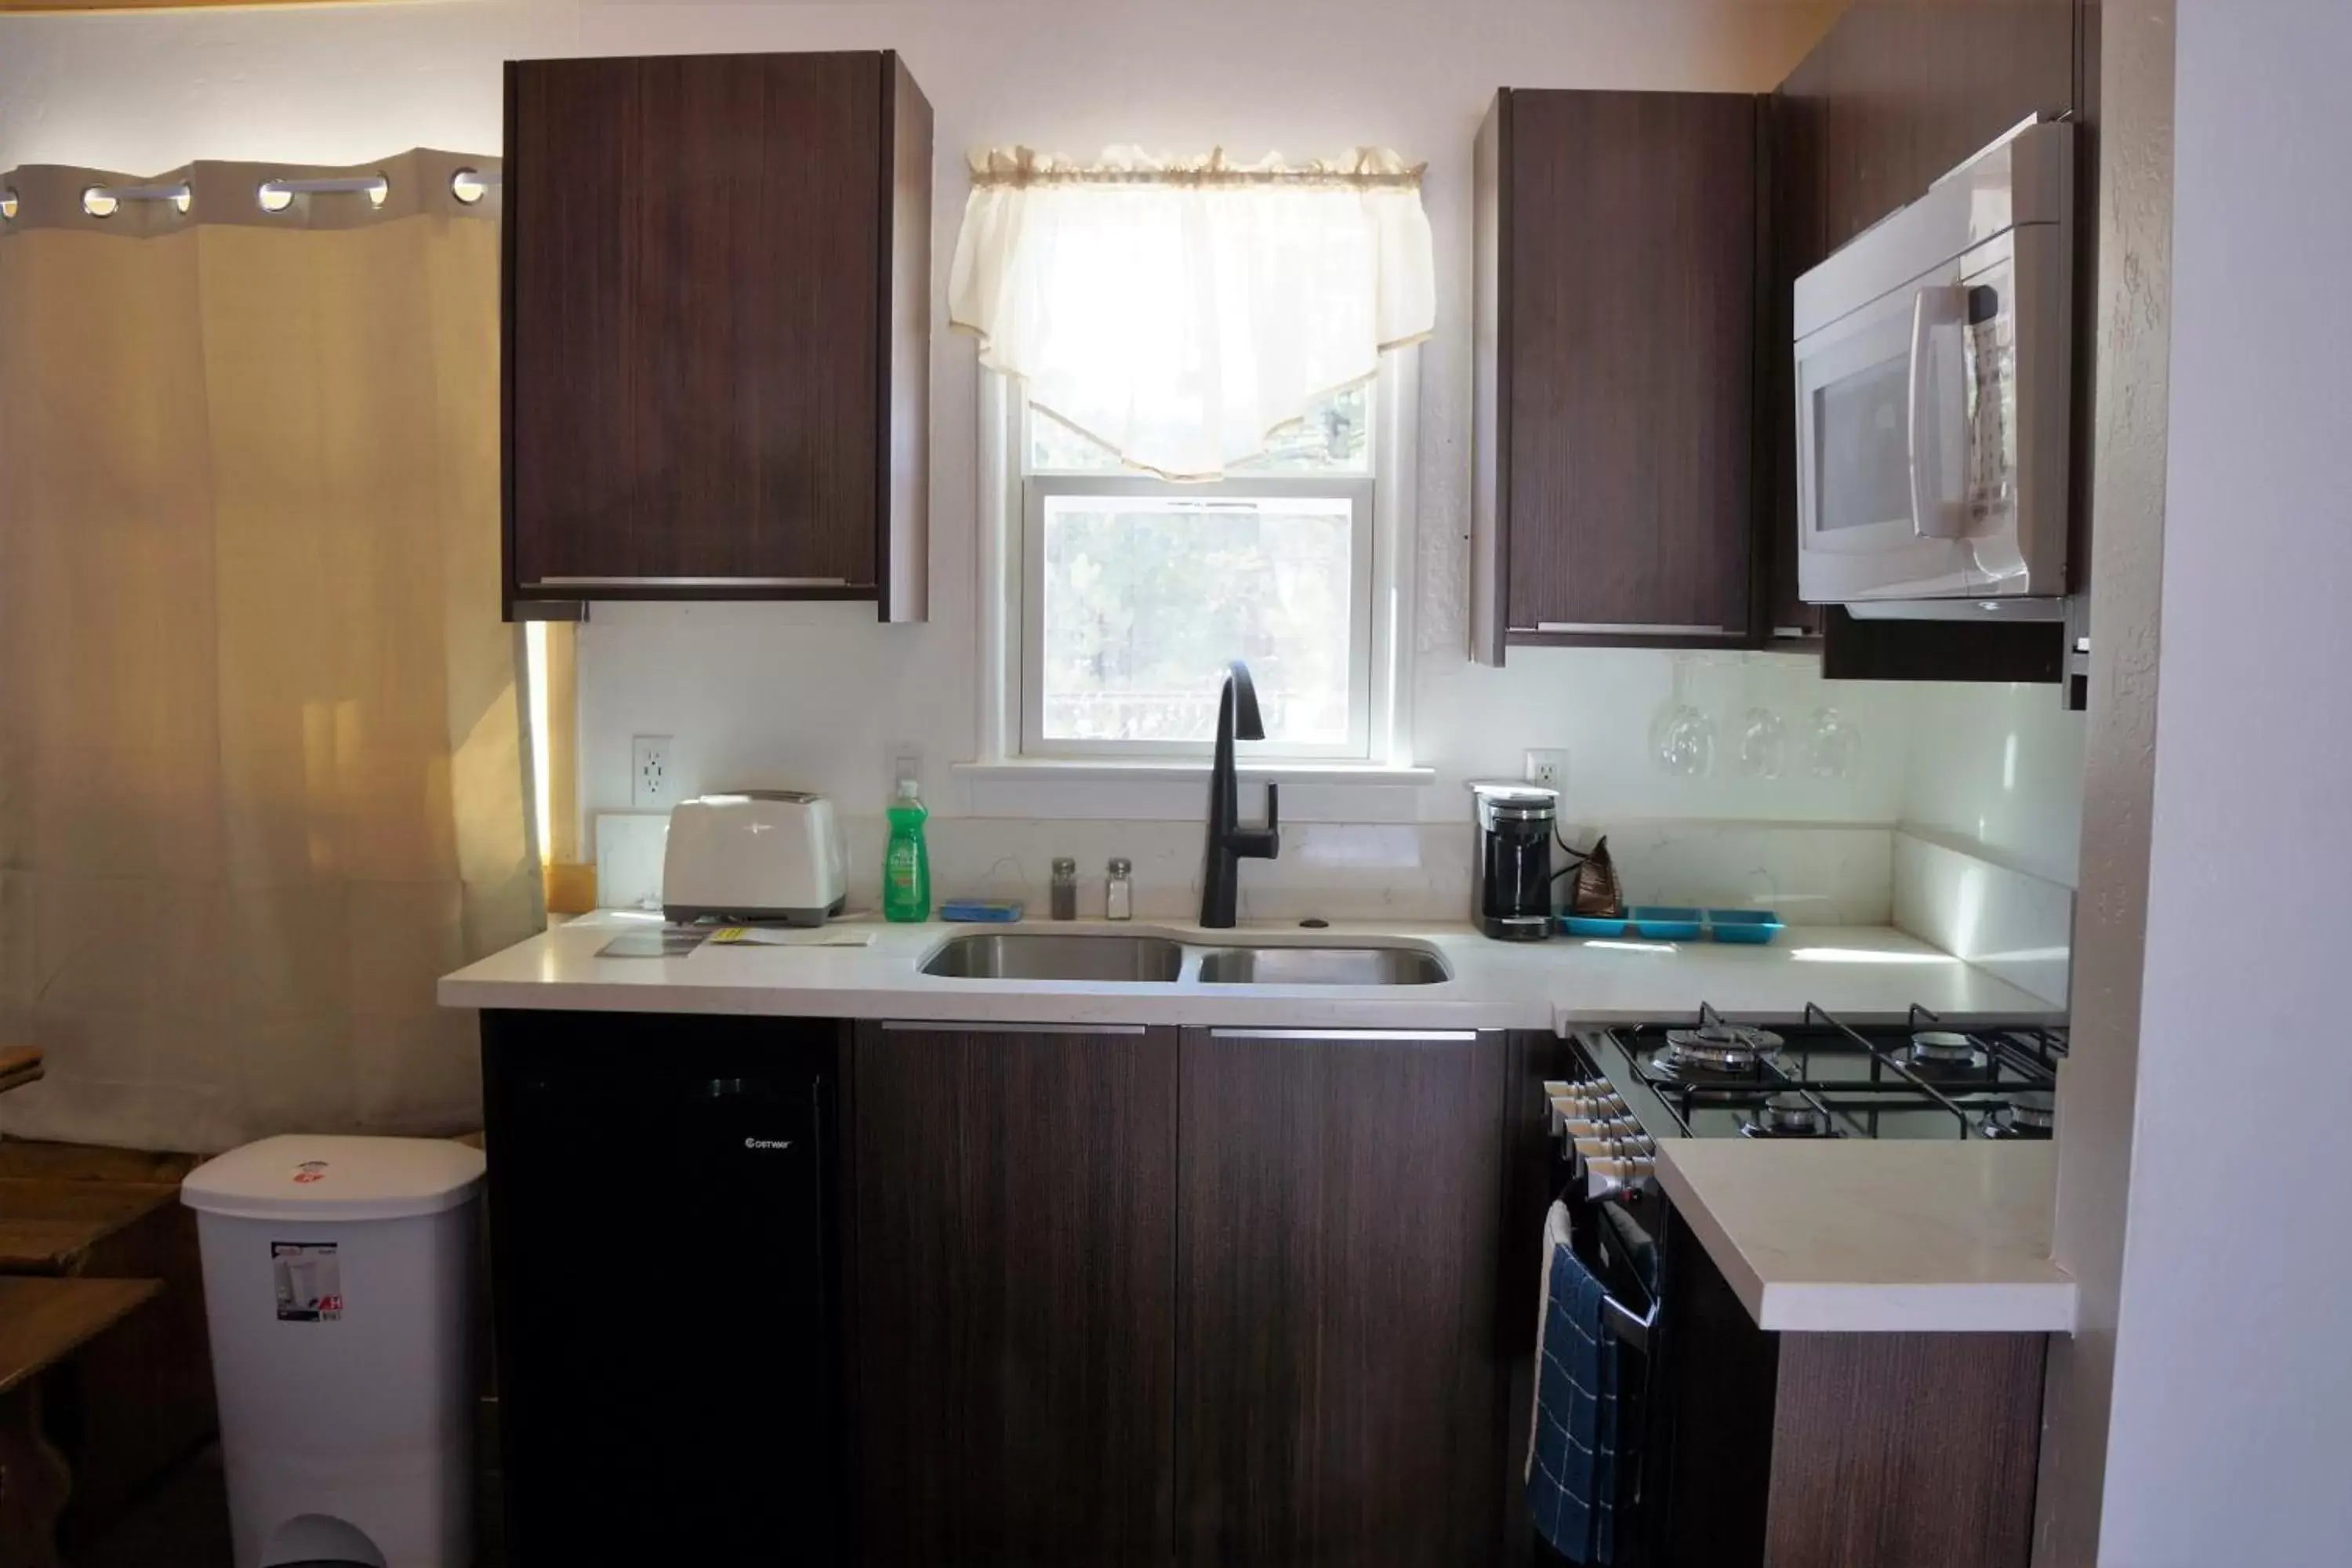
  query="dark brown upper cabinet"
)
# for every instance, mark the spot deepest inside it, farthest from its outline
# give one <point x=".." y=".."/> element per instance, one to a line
<point x="1618" y="264"/>
<point x="1895" y="95"/>
<point x="717" y="329"/>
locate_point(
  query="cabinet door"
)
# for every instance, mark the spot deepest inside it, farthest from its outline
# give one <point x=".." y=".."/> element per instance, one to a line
<point x="1338" y="1372"/>
<point x="695" y="277"/>
<point x="664" y="1284"/>
<point x="1016" y="1247"/>
<point x="1629" y="320"/>
<point x="1907" y="91"/>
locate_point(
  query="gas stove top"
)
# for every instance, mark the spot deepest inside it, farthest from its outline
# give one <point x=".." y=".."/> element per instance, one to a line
<point x="1822" y="1079"/>
<point x="1817" y="1079"/>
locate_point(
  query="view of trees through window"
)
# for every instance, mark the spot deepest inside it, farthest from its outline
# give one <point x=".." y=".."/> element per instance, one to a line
<point x="1147" y="598"/>
<point x="1333" y="437"/>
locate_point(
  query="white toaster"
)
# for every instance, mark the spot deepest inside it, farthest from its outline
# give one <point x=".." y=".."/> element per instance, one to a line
<point x="761" y="855"/>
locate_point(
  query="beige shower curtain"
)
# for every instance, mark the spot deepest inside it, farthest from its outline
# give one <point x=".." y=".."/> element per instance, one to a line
<point x="262" y="767"/>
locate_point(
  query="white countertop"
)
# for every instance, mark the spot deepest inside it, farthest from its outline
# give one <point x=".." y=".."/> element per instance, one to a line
<point x="1847" y="1236"/>
<point x="1863" y="973"/>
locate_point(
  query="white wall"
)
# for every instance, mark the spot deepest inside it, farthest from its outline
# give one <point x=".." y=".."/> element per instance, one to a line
<point x="2231" y="1426"/>
<point x="817" y="694"/>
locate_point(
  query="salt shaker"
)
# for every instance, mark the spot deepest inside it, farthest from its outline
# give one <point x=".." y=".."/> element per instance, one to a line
<point x="1119" y="893"/>
<point x="1065" y="889"/>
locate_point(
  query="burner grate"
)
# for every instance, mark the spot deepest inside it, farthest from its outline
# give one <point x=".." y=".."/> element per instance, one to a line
<point x="1855" y="1083"/>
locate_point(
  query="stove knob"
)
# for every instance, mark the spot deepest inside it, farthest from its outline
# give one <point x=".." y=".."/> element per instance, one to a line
<point x="1624" y="1170"/>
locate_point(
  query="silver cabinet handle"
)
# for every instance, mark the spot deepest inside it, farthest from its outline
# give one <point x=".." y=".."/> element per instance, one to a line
<point x="687" y="582"/>
<point x="1631" y="628"/>
<point x="950" y="1027"/>
<point x="1346" y="1036"/>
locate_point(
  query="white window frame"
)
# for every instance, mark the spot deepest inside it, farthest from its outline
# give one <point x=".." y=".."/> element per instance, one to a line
<point x="1011" y="504"/>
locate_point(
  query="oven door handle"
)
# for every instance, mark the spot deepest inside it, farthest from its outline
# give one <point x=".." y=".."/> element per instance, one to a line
<point x="1626" y="1327"/>
<point x="1932" y="517"/>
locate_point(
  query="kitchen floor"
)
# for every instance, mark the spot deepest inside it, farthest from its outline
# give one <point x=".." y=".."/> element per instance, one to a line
<point x="184" y="1524"/>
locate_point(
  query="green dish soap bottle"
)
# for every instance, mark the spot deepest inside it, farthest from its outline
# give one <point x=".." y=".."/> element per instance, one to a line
<point x="907" y="862"/>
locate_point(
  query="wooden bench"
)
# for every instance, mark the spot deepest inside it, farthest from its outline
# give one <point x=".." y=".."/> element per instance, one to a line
<point x="42" y="1322"/>
<point x="19" y="1064"/>
<point x="139" y="1401"/>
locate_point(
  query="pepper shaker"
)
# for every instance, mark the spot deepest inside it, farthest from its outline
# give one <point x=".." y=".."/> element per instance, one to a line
<point x="1065" y="889"/>
<point x="1119" y="893"/>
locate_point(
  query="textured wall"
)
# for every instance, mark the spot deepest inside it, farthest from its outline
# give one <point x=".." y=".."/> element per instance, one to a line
<point x="2100" y="1088"/>
<point x="2232" y="1391"/>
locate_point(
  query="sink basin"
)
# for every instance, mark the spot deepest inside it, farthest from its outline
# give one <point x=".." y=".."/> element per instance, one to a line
<point x="1035" y="956"/>
<point x="1322" y="966"/>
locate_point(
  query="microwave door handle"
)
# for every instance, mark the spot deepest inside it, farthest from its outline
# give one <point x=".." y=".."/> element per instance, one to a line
<point x="1932" y="517"/>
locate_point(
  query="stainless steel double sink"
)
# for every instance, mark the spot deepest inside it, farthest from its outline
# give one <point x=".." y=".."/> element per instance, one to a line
<point x="1039" y="955"/>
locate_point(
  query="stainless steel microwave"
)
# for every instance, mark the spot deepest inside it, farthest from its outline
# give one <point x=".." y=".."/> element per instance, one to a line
<point x="1934" y="360"/>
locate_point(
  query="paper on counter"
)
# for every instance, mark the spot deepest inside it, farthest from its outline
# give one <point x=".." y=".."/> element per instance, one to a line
<point x="790" y="936"/>
<point x="668" y="942"/>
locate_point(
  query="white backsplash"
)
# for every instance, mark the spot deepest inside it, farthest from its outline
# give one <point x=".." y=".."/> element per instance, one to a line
<point x="2006" y="922"/>
<point x="1816" y="875"/>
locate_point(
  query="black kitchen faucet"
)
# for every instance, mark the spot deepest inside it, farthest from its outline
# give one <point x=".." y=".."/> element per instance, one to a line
<point x="1228" y="842"/>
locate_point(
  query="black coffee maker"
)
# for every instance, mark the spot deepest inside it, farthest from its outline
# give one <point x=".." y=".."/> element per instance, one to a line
<point x="1511" y="895"/>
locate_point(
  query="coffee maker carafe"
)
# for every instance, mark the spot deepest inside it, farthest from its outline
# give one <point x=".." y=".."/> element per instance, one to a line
<point x="1511" y="893"/>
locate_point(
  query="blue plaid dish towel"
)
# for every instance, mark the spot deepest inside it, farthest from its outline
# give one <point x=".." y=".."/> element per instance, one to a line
<point x="1572" y="1450"/>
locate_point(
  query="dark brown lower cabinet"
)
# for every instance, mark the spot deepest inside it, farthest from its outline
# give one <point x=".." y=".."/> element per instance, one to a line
<point x="1015" y="1244"/>
<point x="1843" y="1450"/>
<point x="1338" y="1239"/>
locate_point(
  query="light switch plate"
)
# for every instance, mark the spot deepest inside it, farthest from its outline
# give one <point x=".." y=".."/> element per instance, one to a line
<point x="651" y="781"/>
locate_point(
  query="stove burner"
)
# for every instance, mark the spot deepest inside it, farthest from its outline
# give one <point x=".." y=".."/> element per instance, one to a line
<point x="2037" y="1109"/>
<point x="1945" y="1051"/>
<point x="1716" y="1048"/>
<point x="1787" y="1115"/>
<point x="2030" y="1113"/>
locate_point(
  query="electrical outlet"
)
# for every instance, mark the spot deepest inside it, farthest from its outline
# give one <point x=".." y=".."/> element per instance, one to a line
<point x="905" y="762"/>
<point x="1548" y="768"/>
<point x="650" y="783"/>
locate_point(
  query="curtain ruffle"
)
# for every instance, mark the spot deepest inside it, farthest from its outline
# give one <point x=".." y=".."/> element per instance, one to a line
<point x="1178" y="311"/>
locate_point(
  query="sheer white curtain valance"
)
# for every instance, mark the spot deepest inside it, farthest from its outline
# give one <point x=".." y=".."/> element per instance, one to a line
<point x="1178" y="311"/>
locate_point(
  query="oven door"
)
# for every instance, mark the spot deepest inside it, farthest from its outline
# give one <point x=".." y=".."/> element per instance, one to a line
<point x="1909" y="472"/>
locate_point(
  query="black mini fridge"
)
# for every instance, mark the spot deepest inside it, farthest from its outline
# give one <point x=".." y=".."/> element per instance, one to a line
<point x="665" y="1279"/>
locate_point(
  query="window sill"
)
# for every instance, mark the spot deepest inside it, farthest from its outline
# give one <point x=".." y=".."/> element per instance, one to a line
<point x="1183" y="770"/>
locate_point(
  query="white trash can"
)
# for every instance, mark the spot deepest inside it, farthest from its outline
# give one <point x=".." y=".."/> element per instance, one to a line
<point x="338" y="1279"/>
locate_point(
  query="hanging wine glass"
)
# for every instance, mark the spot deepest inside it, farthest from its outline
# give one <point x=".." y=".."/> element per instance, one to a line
<point x="1834" y="745"/>
<point x="1763" y="743"/>
<point x="1685" y="735"/>
<point x="1762" y="749"/>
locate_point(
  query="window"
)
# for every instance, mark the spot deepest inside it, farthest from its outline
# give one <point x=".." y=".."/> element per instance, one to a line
<point x="1149" y="320"/>
<point x="1136" y="591"/>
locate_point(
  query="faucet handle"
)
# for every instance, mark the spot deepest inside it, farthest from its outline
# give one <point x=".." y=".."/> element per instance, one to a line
<point x="1273" y="807"/>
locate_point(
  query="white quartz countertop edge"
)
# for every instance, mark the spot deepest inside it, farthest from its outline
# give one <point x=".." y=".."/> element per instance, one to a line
<point x="1877" y="1236"/>
<point x="1864" y="973"/>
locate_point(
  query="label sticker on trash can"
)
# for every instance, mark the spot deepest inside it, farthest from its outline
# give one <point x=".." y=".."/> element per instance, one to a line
<point x="310" y="1281"/>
